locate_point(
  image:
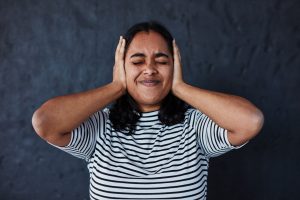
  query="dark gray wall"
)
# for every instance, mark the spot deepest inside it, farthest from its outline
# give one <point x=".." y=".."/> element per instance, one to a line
<point x="247" y="48"/>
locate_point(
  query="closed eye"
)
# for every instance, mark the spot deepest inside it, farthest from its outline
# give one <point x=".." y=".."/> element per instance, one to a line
<point x="141" y="62"/>
<point x="162" y="63"/>
<point x="137" y="63"/>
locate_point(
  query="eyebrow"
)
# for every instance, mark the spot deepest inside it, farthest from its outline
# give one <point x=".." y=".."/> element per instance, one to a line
<point x="157" y="55"/>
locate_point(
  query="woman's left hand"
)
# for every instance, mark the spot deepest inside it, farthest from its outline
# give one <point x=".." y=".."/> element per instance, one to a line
<point x="177" y="74"/>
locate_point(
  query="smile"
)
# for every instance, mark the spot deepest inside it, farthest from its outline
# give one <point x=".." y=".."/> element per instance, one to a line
<point x="150" y="83"/>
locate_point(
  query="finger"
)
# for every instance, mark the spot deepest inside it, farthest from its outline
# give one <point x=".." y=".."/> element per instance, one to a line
<point x="118" y="46"/>
<point x="117" y="53"/>
<point x="177" y="51"/>
<point x="122" y="48"/>
<point x="179" y="55"/>
<point x="119" y="43"/>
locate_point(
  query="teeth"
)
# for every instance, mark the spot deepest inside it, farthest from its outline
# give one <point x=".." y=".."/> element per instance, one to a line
<point x="150" y="81"/>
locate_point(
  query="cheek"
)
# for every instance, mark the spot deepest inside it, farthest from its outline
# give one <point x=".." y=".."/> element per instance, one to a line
<point x="168" y="73"/>
<point x="131" y="73"/>
<point x="127" y="69"/>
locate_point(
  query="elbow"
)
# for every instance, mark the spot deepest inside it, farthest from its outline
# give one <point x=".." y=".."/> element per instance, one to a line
<point x="257" y="122"/>
<point x="38" y="123"/>
<point x="41" y="120"/>
<point x="249" y="127"/>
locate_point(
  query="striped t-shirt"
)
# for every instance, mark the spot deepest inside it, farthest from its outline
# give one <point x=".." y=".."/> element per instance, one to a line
<point x="155" y="162"/>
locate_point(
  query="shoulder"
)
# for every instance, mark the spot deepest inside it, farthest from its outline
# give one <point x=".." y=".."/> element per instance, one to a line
<point x="196" y="117"/>
<point x="106" y="111"/>
<point x="99" y="118"/>
<point x="193" y="112"/>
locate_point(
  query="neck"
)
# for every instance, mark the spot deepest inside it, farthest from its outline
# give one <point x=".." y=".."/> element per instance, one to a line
<point x="149" y="108"/>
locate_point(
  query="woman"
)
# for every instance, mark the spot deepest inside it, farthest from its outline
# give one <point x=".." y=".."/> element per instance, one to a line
<point x="150" y="144"/>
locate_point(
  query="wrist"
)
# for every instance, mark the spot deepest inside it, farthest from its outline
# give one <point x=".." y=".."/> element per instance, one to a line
<point x="178" y="87"/>
<point x="119" y="87"/>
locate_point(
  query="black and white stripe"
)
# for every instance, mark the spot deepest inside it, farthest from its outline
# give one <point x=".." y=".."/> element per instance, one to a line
<point x="156" y="162"/>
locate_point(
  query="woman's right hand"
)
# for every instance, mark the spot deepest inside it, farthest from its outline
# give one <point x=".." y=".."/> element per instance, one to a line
<point x="119" y="75"/>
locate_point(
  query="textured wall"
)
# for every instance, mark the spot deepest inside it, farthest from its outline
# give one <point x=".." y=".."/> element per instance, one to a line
<point x="247" y="48"/>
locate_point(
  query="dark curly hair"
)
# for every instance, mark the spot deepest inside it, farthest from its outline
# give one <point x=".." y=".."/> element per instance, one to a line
<point x="125" y="112"/>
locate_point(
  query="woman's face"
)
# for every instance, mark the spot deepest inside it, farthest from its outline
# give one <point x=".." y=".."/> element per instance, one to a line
<point x="149" y="70"/>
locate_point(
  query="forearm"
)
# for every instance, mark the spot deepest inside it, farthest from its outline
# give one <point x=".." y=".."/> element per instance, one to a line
<point x="233" y="113"/>
<point x="63" y="114"/>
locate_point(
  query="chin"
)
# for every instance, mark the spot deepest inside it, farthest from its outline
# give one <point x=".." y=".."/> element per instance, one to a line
<point x="148" y="98"/>
<point x="149" y="101"/>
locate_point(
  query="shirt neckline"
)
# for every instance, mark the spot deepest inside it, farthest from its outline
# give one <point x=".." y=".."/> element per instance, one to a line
<point x="149" y="113"/>
<point x="149" y="118"/>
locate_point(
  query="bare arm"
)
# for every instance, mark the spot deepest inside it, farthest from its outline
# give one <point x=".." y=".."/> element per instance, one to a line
<point x="239" y="116"/>
<point x="236" y="114"/>
<point x="57" y="117"/>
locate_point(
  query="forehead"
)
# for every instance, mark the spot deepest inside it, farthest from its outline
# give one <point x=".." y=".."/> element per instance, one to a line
<point x="148" y="43"/>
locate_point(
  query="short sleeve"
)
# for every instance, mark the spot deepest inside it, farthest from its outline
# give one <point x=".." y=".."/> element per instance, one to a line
<point x="212" y="138"/>
<point x="84" y="137"/>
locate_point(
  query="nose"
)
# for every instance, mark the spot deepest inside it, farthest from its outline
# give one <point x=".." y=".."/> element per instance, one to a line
<point x="150" y="69"/>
